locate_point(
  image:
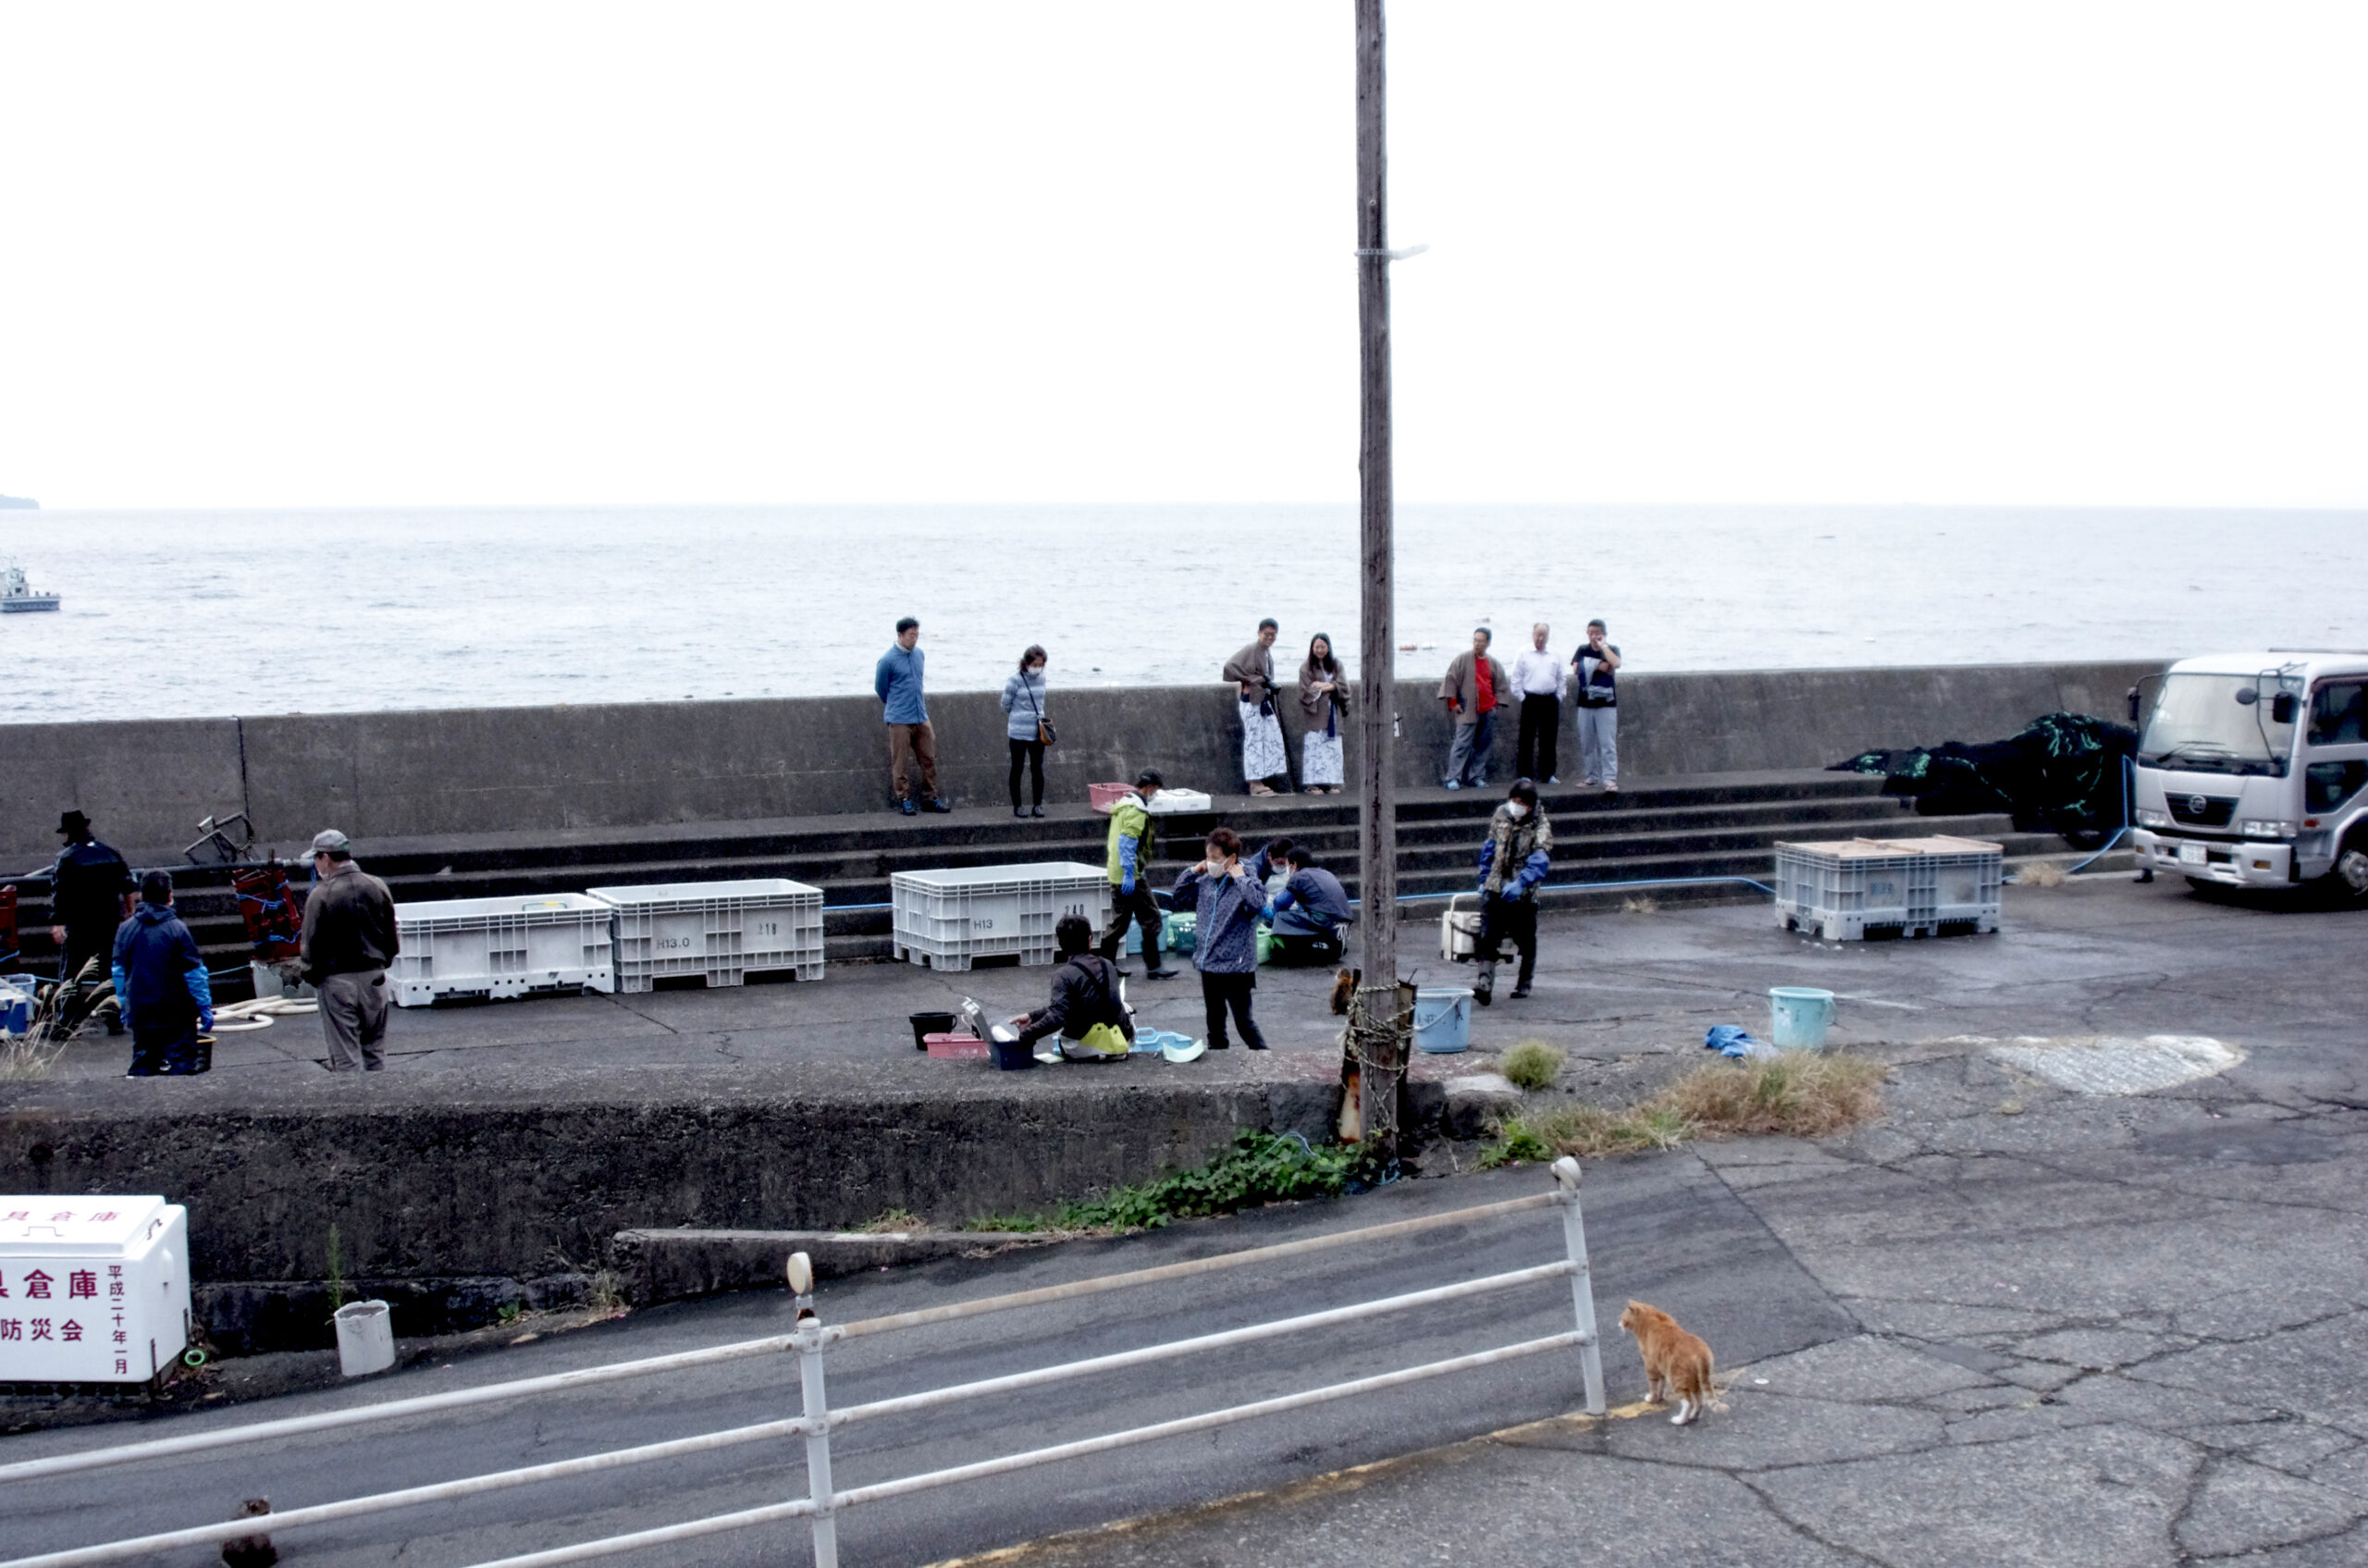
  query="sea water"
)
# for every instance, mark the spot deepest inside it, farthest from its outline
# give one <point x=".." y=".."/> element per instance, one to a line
<point x="182" y="613"/>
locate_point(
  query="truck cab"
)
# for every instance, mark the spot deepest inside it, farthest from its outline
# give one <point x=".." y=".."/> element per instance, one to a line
<point x="2252" y="772"/>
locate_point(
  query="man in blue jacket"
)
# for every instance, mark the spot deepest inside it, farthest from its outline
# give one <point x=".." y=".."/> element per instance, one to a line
<point x="904" y="710"/>
<point x="1308" y="914"/>
<point x="160" y="976"/>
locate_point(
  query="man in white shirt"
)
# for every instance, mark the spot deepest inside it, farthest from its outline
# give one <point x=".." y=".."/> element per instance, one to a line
<point x="1537" y="677"/>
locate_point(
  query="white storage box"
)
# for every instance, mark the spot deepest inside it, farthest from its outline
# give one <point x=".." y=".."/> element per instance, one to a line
<point x="719" y="931"/>
<point x="1850" y="889"/>
<point x="498" y="948"/>
<point x="948" y="919"/>
<point x="92" y="1290"/>
<point x="1169" y="801"/>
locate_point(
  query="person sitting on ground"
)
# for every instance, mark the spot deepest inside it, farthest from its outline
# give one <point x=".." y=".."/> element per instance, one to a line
<point x="161" y="977"/>
<point x="1308" y="913"/>
<point x="1227" y="902"/>
<point x="1085" y="1011"/>
<point x="1512" y="863"/>
<point x="1133" y="834"/>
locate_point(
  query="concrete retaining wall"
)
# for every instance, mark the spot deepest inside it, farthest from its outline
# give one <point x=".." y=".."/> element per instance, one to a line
<point x="422" y="773"/>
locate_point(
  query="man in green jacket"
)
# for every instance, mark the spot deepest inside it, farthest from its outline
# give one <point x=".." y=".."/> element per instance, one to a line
<point x="1132" y="835"/>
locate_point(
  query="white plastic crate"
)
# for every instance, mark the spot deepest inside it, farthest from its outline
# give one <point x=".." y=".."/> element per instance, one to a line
<point x="719" y="931"/>
<point x="1168" y="802"/>
<point x="1849" y="889"/>
<point x="501" y="947"/>
<point x="92" y="1290"/>
<point x="948" y="919"/>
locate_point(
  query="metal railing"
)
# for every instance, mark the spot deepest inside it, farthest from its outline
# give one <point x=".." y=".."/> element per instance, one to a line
<point x="810" y="1342"/>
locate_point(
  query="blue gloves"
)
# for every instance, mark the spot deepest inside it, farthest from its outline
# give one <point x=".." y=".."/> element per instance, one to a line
<point x="205" y="1020"/>
<point x="1126" y="883"/>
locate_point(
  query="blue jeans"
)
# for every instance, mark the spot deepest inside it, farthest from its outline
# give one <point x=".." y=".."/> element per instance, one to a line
<point x="1467" y="758"/>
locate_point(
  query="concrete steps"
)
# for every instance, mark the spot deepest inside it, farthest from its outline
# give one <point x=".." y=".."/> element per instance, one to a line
<point x="1706" y="826"/>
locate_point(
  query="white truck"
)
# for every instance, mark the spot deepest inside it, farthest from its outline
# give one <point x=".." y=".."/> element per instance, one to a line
<point x="2253" y="770"/>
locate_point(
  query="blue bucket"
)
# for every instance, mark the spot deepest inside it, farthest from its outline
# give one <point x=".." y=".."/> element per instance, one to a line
<point x="1442" y="1020"/>
<point x="1798" y="1015"/>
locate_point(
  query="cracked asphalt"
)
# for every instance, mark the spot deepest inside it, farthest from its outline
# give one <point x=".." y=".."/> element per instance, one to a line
<point x="2107" y="1330"/>
<point x="2007" y="1323"/>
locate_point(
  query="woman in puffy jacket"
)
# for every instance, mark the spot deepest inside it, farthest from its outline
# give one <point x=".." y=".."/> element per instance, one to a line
<point x="1512" y="863"/>
<point x="1023" y="726"/>
<point x="1228" y="901"/>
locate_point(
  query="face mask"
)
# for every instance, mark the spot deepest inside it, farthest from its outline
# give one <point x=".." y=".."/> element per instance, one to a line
<point x="1517" y="809"/>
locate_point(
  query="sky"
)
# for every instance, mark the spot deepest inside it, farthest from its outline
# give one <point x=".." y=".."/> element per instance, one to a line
<point x="301" y="255"/>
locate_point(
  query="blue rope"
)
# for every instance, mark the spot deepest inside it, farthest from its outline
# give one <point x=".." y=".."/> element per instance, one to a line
<point x="2128" y="788"/>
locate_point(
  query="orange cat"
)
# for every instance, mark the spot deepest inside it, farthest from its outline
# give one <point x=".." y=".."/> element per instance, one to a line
<point x="1676" y="1363"/>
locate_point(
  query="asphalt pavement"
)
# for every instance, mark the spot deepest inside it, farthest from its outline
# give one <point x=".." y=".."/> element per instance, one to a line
<point x="2011" y="1322"/>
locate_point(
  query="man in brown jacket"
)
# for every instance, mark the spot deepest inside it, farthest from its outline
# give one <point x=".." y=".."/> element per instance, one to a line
<point x="1475" y="683"/>
<point x="348" y="941"/>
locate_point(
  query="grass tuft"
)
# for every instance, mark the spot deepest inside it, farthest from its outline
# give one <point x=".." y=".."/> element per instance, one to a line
<point x="2040" y="873"/>
<point x="1533" y="1064"/>
<point x="1799" y="1095"/>
<point x="1643" y="904"/>
<point x="1261" y="1168"/>
<point x="894" y="1220"/>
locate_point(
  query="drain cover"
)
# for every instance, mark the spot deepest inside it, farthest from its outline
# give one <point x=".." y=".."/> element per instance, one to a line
<point x="2120" y="1065"/>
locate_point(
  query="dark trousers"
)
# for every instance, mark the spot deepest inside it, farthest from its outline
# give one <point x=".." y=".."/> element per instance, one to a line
<point x="1501" y="919"/>
<point x="1219" y="991"/>
<point x="84" y="942"/>
<point x="1139" y="908"/>
<point x="166" y="1048"/>
<point x="1028" y="754"/>
<point x="1533" y="753"/>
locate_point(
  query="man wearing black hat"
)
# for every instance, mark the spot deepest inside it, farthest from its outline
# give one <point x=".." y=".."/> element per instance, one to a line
<point x="161" y="981"/>
<point x="1133" y="835"/>
<point x="90" y="893"/>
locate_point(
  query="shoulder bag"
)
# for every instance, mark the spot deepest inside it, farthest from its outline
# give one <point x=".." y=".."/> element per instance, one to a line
<point x="1045" y="735"/>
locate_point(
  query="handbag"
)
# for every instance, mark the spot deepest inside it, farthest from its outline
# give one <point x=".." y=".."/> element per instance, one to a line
<point x="1045" y="735"/>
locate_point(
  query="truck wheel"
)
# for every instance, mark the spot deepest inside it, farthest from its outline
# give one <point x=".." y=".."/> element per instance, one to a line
<point x="2350" y="878"/>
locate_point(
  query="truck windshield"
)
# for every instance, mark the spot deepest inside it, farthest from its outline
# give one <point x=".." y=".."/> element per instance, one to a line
<point x="2217" y="724"/>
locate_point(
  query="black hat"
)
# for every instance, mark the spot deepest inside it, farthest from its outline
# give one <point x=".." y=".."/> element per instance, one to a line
<point x="1150" y="776"/>
<point x="73" y="824"/>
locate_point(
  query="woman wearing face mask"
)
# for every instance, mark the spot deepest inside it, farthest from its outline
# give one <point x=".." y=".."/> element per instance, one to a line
<point x="1512" y="863"/>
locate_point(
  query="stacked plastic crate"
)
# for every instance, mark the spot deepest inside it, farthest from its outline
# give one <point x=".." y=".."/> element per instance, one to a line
<point x="1848" y="890"/>
<point x="719" y="932"/>
<point x="947" y="919"/>
<point x="501" y="947"/>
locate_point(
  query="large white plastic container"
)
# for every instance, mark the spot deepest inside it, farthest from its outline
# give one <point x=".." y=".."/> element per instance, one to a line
<point x="97" y="1288"/>
<point x="1846" y="890"/>
<point x="946" y="920"/>
<point x="501" y="947"/>
<point x="719" y="931"/>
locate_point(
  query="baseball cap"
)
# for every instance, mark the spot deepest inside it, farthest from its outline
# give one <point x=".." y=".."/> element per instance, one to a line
<point x="328" y="841"/>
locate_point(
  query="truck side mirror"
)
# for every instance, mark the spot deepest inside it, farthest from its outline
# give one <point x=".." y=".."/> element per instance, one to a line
<point x="2281" y="707"/>
<point x="2133" y="705"/>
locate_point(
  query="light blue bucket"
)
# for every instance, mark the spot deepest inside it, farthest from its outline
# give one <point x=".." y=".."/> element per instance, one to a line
<point x="1442" y="1020"/>
<point x="1798" y="1015"/>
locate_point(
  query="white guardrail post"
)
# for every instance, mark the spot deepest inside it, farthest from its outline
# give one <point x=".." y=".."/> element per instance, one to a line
<point x="1574" y="1237"/>
<point x="808" y="1340"/>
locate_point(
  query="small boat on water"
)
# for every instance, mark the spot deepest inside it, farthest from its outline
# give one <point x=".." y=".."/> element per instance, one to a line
<point x="16" y="593"/>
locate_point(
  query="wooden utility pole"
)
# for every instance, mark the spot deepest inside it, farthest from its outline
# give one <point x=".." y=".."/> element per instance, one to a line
<point x="1380" y="1032"/>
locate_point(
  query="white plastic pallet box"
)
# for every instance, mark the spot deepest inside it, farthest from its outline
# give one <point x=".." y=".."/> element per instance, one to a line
<point x="949" y="918"/>
<point x="718" y="930"/>
<point x="1846" y="890"/>
<point x="501" y="947"/>
<point x="92" y="1290"/>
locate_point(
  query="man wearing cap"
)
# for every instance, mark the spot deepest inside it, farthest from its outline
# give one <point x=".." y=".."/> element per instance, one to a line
<point x="91" y="893"/>
<point x="160" y="978"/>
<point x="1133" y="834"/>
<point x="348" y="941"/>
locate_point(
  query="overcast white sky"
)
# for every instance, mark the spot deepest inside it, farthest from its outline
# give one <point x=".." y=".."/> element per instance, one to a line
<point x="1033" y="252"/>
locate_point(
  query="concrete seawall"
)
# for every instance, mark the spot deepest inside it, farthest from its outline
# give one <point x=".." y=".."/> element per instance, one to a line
<point x="146" y="783"/>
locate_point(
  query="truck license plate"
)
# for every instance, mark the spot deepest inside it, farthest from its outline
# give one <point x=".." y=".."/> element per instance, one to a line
<point x="2190" y="854"/>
